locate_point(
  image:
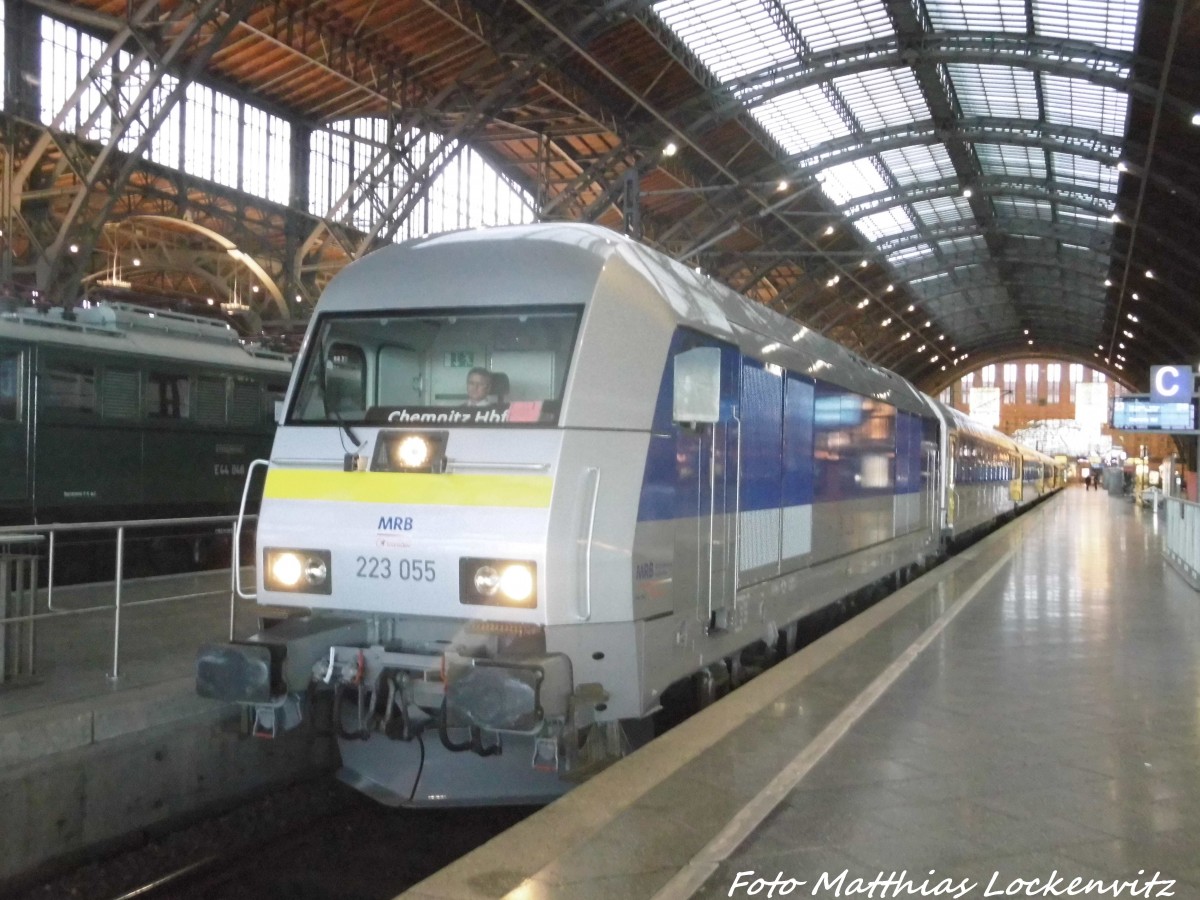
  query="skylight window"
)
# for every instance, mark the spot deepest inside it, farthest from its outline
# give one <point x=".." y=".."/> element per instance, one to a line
<point x="1008" y="159"/>
<point x="888" y="223"/>
<point x="732" y="38"/>
<point x="1073" y="101"/>
<point x="883" y="98"/>
<point x="919" y="163"/>
<point x="977" y="15"/>
<point x="1109" y="23"/>
<point x="834" y="24"/>
<point x="800" y="120"/>
<point x="850" y="181"/>
<point x="998" y="91"/>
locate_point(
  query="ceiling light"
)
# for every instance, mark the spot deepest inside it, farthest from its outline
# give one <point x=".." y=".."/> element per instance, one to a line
<point x="911" y="307"/>
<point x="1116" y="218"/>
<point x="136" y="261"/>
<point x="1135" y="296"/>
<point x="829" y="229"/>
<point x="863" y="264"/>
<point x="1027" y="331"/>
<point x="906" y="336"/>
<point x="890" y="288"/>
<point x="886" y="322"/>
<point x="953" y="349"/>
<point x="1108" y="282"/>
<point x="1128" y="334"/>
<point x="1196" y="118"/>
<point x="1149" y="273"/>
<point x="1131" y="317"/>
<point x="782" y="186"/>
<point x="921" y="349"/>
<point x="670" y="149"/>
<point x="941" y="337"/>
<point x="1031" y="342"/>
<point x="966" y="192"/>
<point x="927" y="324"/>
<point x="1121" y="167"/>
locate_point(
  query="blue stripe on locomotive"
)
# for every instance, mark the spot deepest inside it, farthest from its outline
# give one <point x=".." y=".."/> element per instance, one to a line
<point x="784" y="417"/>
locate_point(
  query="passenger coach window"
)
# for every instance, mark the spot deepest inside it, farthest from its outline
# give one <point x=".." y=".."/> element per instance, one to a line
<point x="10" y="387"/>
<point x="70" y="387"/>
<point x="415" y="368"/>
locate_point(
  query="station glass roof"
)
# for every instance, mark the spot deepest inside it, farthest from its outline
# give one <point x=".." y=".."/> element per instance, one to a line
<point x="970" y="135"/>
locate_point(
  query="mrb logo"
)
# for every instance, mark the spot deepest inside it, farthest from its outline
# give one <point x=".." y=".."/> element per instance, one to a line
<point x="395" y="523"/>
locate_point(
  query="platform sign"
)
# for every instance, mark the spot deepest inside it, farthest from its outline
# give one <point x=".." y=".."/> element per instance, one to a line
<point x="1171" y="384"/>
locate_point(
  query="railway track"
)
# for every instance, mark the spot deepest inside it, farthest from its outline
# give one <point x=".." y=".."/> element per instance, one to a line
<point x="314" y="841"/>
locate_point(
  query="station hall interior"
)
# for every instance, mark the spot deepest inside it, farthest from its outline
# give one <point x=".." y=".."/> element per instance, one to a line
<point x="994" y="200"/>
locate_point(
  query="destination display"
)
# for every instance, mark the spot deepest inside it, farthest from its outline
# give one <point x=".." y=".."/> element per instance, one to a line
<point x="1136" y="414"/>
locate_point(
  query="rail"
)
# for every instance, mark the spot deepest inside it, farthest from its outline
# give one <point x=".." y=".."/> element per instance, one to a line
<point x="20" y="611"/>
<point x="1181" y="543"/>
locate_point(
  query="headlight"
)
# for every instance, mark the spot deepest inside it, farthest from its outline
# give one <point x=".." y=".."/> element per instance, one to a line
<point x="409" y="451"/>
<point x="498" y="582"/>
<point x="412" y="452"/>
<point x="297" y="571"/>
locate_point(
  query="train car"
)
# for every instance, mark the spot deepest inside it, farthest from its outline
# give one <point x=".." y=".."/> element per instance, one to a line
<point x="503" y="588"/>
<point x="118" y="411"/>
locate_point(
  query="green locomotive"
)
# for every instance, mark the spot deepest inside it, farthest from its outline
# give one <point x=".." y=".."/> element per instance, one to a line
<point x="118" y="411"/>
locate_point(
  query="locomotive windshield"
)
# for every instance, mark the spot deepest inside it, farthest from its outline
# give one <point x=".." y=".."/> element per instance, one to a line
<point x="445" y="368"/>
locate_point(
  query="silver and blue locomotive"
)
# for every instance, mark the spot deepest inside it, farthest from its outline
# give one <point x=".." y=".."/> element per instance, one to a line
<point x="498" y="590"/>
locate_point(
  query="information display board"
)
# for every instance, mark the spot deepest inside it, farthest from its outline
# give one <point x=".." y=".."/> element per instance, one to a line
<point x="1140" y="414"/>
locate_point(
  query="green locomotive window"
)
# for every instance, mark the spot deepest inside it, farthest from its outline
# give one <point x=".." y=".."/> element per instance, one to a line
<point x="168" y="396"/>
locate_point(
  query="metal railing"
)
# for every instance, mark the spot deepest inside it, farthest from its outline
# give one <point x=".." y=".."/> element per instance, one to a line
<point x="1181" y="543"/>
<point x="19" y="589"/>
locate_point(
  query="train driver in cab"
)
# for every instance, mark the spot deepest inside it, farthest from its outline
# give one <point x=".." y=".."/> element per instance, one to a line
<point x="479" y="386"/>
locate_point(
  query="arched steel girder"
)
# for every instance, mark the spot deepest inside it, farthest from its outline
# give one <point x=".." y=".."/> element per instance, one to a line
<point x="1152" y="332"/>
<point x="1079" y="235"/>
<point x="225" y="264"/>
<point x="197" y="30"/>
<point x="951" y="262"/>
<point x="1035" y="53"/>
<point x="1086" y="142"/>
<point x="1095" y="240"/>
<point x="1181" y="298"/>
<point x="933" y="381"/>
<point x="988" y="186"/>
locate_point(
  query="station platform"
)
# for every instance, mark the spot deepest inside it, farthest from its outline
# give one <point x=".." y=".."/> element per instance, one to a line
<point x="1026" y="714"/>
<point x="86" y="759"/>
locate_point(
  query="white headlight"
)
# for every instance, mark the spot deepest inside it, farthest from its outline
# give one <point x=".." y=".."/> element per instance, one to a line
<point x="516" y="583"/>
<point x="413" y="452"/>
<point x="286" y="569"/>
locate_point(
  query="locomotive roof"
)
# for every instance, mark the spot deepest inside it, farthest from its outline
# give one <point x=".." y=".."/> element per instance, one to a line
<point x="139" y="331"/>
<point x="500" y="265"/>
